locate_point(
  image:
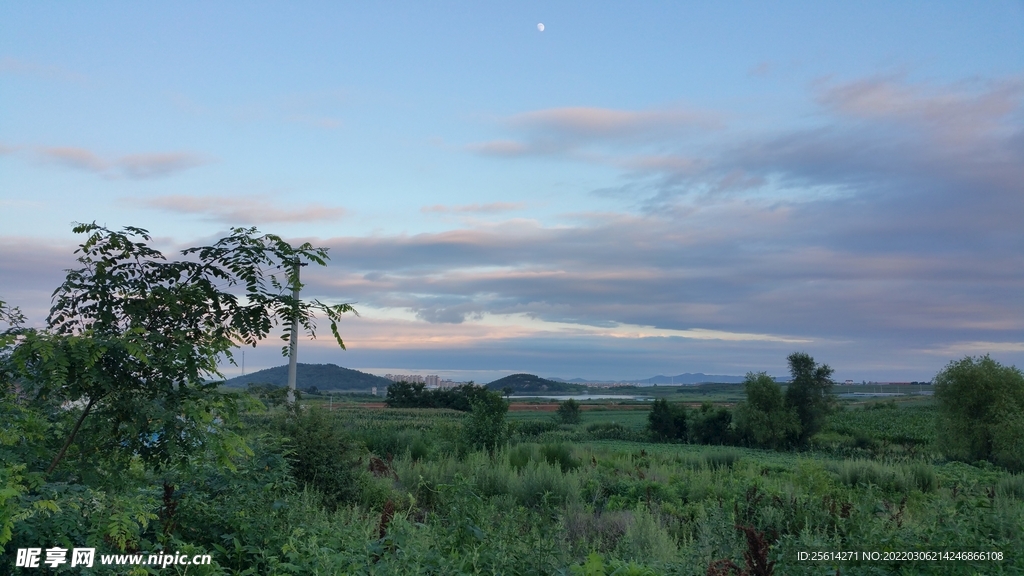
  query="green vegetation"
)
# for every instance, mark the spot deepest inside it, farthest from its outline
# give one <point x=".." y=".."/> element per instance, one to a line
<point x="417" y="395"/>
<point x="530" y="384"/>
<point x="322" y="377"/>
<point x="485" y="427"/>
<point x="569" y="412"/>
<point x="667" y="422"/>
<point x="809" y="394"/>
<point x="981" y="411"/>
<point x="764" y="419"/>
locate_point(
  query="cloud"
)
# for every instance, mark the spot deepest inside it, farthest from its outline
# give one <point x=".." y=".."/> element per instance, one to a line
<point x="76" y="158"/>
<point x="140" y="166"/>
<point x="887" y="227"/>
<point x="506" y="148"/>
<point x="243" y="210"/>
<point x="588" y="122"/>
<point x="882" y="236"/>
<point x="489" y="208"/>
<point x="133" y="166"/>
<point x="572" y="130"/>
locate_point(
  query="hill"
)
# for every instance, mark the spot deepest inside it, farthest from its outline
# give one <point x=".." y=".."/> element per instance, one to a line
<point x="530" y="384"/>
<point x="322" y="376"/>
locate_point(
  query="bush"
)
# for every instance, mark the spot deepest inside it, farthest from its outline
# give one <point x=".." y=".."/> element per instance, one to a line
<point x="667" y="422"/>
<point x="485" y="428"/>
<point x="924" y="477"/>
<point x="559" y="455"/>
<point x="1011" y="487"/>
<point x="764" y="420"/>
<point x="610" y="431"/>
<point x="321" y="454"/>
<point x="711" y="426"/>
<point x="569" y="412"/>
<point x="520" y="456"/>
<point x="981" y="411"/>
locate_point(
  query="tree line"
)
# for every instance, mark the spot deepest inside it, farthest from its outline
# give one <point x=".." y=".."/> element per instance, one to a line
<point x="980" y="411"/>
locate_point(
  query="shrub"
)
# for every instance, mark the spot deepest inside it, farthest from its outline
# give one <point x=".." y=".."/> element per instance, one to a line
<point x="485" y="428"/>
<point x="667" y="422"/>
<point x="569" y="412"/>
<point x="520" y="456"/>
<point x="924" y="477"/>
<point x="1011" y="487"/>
<point x="560" y="455"/>
<point x="764" y="419"/>
<point x="981" y="411"/>
<point x="711" y="426"/>
<point x="321" y="454"/>
<point x="610" y="431"/>
<point x="419" y="450"/>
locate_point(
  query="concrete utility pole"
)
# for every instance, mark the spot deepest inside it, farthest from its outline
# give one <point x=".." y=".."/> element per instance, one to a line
<point x="293" y="348"/>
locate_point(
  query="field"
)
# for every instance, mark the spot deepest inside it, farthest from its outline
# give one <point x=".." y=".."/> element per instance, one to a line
<point x="566" y="499"/>
<point x="362" y="489"/>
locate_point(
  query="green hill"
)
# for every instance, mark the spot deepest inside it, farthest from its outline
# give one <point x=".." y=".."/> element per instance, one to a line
<point x="321" y="376"/>
<point x="530" y="384"/>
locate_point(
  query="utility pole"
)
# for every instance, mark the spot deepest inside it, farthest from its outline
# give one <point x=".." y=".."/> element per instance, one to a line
<point x="293" y="348"/>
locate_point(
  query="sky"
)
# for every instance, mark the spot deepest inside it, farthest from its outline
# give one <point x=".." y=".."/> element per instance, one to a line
<point x="637" y="189"/>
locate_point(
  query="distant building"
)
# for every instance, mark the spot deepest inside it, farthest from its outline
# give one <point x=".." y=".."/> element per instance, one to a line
<point x="849" y="382"/>
<point x="411" y="378"/>
<point x="433" y="381"/>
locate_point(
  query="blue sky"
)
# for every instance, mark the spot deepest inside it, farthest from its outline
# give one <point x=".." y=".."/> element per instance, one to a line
<point x="643" y="189"/>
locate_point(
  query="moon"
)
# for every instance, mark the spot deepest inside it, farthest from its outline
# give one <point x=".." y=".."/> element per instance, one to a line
<point x="540" y="26"/>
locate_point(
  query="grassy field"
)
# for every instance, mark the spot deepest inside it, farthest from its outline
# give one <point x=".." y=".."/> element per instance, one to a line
<point x="562" y="499"/>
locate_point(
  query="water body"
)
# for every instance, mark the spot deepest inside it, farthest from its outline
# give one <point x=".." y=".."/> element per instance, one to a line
<point x="586" y="397"/>
<point x="880" y="394"/>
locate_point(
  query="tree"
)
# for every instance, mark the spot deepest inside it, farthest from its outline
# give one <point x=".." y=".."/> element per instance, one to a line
<point x="809" y="393"/>
<point x="135" y="339"/>
<point x="764" y="419"/>
<point x="666" y="421"/>
<point x="569" y="412"/>
<point x="485" y="427"/>
<point x="981" y="411"/>
<point x="710" y="425"/>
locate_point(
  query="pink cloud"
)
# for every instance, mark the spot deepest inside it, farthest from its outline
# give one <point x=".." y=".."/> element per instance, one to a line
<point x="134" y="166"/>
<point x="953" y="109"/>
<point x="247" y="210"/>
<point x="607" y="123"/>
<point x="140" y="166"/>
<point x="77" y="158"/>
<point x="490" y="208"/>
<point x="508" y="148"/>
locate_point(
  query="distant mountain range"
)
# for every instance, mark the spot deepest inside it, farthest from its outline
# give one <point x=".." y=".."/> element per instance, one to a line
<point x="322" y="376"/>
<point x="333" y="377"/>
